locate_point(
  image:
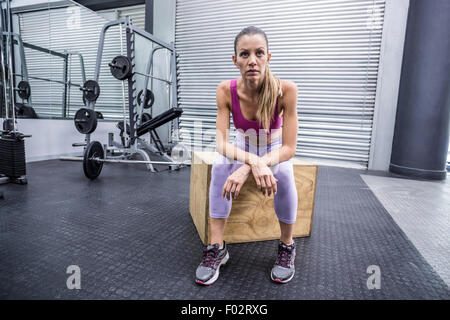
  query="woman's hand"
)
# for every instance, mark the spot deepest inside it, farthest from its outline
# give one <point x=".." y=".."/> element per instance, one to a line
<point x="235" y="182"/>
<point x="264" y="178"/>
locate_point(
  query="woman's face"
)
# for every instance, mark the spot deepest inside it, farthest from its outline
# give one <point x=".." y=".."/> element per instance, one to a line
<point x="252" y="57"/>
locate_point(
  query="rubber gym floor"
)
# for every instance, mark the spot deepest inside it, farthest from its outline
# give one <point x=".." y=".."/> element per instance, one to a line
<point x="131" y="234"/>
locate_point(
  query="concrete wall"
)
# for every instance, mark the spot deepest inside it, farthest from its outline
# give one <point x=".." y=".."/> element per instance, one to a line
<point x="388" y="83"/>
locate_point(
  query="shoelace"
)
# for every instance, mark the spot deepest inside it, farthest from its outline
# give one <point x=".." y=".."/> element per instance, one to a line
<point x="209" y="256"/>
<point x="284" y="257"/>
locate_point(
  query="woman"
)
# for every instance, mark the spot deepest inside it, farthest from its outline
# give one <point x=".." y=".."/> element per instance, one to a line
<point x="259" y="103"/>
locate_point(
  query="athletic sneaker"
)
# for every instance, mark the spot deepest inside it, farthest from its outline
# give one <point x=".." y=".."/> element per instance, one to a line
<point x="283" y="271"/>
<point x="213" y="257"/>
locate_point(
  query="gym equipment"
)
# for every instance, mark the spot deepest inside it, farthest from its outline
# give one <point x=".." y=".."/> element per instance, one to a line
<point x="149" y="99"/>
<point x="250" y="222"/>
<point x="12" y="146"/>
<point x="93" y="168"/>
<point x="24" y="89"/>
<point x="136" y="123"/>
<point x="94" y="157"/>
<point x="12" y="157"/>
<point x="85" y="120"/>
<point x="24" y="111"/>
<point x="91" y="90"/>
<point x="8" y="125"/>
<point x="146" y="117"/>
<point x="48" y="80"/>
<point x="99" y="115"/>
<point x="120" y="67"/>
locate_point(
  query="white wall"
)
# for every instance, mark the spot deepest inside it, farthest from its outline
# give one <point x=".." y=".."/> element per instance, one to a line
<point x="164" y="20"/>
<point x="388" y="83"/>
<point x="53" y="138"/>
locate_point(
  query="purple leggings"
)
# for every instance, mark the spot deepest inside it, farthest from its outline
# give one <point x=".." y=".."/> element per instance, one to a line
<point x="285" y="201"/>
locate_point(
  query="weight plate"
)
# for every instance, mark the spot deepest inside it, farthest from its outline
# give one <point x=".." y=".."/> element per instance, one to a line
<point x="24" y="111"/>
<point x="120" y="67"/>
<point x="149" y="100"/>
<point x="91" y="90"/>
<point x="85" y="120"/>
<point x="99" y="115"/>
<point x="24" y="89"/>
<point x="146" y="117"/>
<point x="91" y="167"/>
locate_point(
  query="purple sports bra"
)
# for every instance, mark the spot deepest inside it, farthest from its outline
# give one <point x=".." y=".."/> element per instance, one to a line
<point x="240" y="122"/>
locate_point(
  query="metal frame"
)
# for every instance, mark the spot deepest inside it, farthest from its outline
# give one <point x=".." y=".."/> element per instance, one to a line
<point x="133" y="144"/>
<point x="66" y="78"/>
<point x="66" y="56"/>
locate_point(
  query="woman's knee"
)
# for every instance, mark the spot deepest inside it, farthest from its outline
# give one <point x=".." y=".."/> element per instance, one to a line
<point x="284" y="173"/>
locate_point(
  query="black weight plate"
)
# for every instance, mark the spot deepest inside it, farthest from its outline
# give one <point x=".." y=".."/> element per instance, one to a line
<point x="8" y="125"/>
<point x="91" y="90"/>
<point x="24" y="89"/>
<point x="85" y="120"/>
<point x="150" y="99"/>
<point x="146" y="117"/>
<point x="24" y="111"/>
<point x="99" y="115"/>
<point x="93" y="168"/>
<point x="120" y="67"/>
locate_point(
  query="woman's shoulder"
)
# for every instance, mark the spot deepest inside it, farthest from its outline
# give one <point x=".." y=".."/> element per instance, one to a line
<point x="289" y="93"/>
<point x="288" y="87"/>
<point x="223" y="93"/>
<point x="224" y="85"/>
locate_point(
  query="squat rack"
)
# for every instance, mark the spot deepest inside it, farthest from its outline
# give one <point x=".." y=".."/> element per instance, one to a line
<point x="67" y="58"/>
<point x="95" y="154"/>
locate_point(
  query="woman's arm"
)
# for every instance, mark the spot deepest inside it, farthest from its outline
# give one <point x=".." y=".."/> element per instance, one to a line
<point x="236" y="180"/>
<point x="290" y="127"/>
<point x="223" y="130"/>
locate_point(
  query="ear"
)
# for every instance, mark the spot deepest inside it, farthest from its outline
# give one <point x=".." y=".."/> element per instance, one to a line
<point x="269" y="55"/>
<point x="234" y="60"/>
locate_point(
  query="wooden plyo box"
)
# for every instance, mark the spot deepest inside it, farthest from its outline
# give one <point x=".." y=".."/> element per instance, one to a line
<point x="252" y="216"/>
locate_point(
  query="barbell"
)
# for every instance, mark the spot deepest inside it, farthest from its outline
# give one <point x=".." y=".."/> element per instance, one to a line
<point x="49" y="80"/>
<point x="121" y="68"/>
<point x="94" y="157"/>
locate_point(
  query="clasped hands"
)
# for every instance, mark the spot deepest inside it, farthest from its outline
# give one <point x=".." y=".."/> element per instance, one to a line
<point x="265" y="181"/>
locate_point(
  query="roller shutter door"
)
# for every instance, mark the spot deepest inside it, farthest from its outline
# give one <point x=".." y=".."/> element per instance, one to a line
<point x="329" y="48"/>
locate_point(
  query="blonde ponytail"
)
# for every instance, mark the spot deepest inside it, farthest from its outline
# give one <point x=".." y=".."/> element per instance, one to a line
<point x="269" y="92"/>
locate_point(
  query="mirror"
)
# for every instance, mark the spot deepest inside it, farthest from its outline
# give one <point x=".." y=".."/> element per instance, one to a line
<point x="55" y="47"/>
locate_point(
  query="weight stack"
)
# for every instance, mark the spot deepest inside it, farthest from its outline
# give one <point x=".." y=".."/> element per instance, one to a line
<point x="12" y="156"/>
